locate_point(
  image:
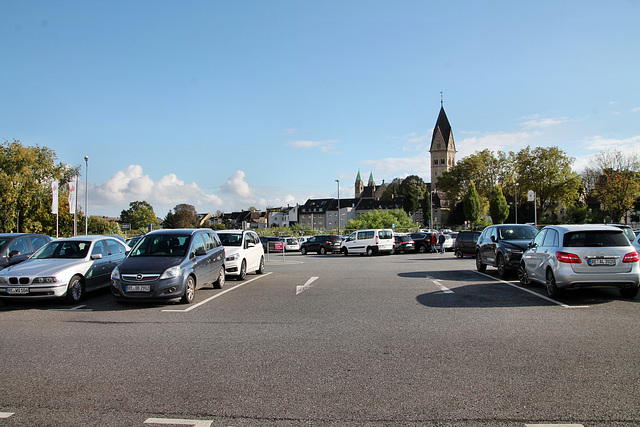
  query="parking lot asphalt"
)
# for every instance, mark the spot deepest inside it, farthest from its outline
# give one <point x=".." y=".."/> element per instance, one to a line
<point x="414" y="339"/>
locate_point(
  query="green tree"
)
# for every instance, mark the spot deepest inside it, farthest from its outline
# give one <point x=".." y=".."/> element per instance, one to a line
<point x="498" y="207"/>
<point x="140" y="215"/>
<point x="185" y="216"/>
<point x="472" y="206"/>
<point x="615" y="181"/>
<point x="410" y="204"/>
<point x="547" y="171"/>
<point x="100" y="225"/>
<point x="167" y="222"/>
<point x="382" y="219"/>
<point x="25" y="177"/>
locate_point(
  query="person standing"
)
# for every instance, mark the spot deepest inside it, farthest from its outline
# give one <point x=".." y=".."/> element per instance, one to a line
<point x="434" y="240"/>
<point x="441" y="240"/>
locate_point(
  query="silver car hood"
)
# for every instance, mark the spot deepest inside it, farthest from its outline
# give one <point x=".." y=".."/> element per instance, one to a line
<point x="46" y="267"/>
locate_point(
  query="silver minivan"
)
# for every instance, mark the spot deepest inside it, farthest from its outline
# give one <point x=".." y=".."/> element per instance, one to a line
<point x="581" y="256"/>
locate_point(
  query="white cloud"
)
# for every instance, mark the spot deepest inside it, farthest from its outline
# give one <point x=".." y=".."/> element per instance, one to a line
<point x="324" y="146"/>
<point x="635" y="110"/>
<point x="535" y="122"/>
<point x="237" y="185"/>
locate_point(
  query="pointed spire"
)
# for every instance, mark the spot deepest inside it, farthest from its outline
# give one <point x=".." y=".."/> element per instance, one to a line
<point x="371" y="181"/>
<point x="358" y="178"/>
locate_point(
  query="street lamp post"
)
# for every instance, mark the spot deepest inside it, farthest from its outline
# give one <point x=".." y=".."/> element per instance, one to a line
<point x="338" y="181"/>
<point x="86" y="196"/>
<point x="517" y="201"/>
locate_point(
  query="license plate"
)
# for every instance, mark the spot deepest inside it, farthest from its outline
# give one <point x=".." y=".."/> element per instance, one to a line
<point x="17" y="291"/>
<point x="138" y="288"/>
<point x="602" y="261"/>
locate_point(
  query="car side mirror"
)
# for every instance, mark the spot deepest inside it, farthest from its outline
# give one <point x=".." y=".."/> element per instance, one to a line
<point x="200" y="252"/>
<point x="251" y="245"/>
<point x="96" y="256"/>
<point x="529" y="245"/>
<point x="14" y="253"/>
<point x="493" y="239"/>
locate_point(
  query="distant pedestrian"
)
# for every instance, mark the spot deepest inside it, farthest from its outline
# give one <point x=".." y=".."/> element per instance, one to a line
<point x="441" y="240"/>
<point x="434" y="240"/>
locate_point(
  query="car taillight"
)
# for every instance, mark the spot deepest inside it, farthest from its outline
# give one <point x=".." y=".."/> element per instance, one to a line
<point x="568" y="258"/>
<point x="631" y="257"/>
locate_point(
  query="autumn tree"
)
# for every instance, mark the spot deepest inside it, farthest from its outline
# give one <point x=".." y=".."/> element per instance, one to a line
<point x="185" y="216"/>
<point x="26" y="174"/>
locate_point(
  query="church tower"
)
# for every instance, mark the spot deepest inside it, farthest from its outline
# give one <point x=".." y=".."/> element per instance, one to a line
<point x="359" y="187"/>
<point x="443" y="149"/>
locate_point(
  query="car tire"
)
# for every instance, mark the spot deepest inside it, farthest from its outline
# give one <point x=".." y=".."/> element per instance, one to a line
<point x="369" y="251"/>
<point x="552" y="288"/>
<point x="303" y="251"/>
<point x="243" y="270"/>
<point x="189" y="291"/>
<point x="75" y="290"/>
<point x="422" y="249"/>
<point x="222" y="279"/>
<point x="479" y="265"/>
<point x="260" y="269"/>
<point x="322" y="250"/>
<point x="459" y="254"/>
<point x="344" y="251"/>
<point x="501" y="266"/>
<point x="523" y="276"/>
<point x="629" y="292"/>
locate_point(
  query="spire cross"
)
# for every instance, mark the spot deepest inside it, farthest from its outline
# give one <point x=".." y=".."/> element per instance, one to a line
<point x="441" y="100"/>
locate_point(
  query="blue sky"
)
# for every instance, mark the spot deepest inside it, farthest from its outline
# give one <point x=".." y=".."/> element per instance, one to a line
<point x="232" y="104"/>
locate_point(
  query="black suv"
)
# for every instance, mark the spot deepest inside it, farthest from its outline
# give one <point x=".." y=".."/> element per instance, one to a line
<point x="421" y="242"/>
<point x="466" y="243"/>
<point x="321" y="244"/>
<point x="502" y="246"/>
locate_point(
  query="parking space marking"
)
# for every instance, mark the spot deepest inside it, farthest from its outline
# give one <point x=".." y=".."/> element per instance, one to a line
<point x="6" y="414"/>
<point x="300" y="289"/>
<point x="78" y="308"/>
<point x="218" y="295"/>
<point x="442" y="287"/>
<point x="561" y="304"/>
<point x="195" y="423"/>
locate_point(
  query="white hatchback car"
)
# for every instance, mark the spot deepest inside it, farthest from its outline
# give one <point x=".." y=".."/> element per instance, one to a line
<point x="244" y="252"/>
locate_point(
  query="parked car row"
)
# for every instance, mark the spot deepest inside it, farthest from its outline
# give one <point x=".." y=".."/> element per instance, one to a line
<point x="163" y="265"/>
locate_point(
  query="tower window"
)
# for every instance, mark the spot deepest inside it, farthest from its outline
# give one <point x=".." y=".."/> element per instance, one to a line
<point x="442" y="161"/>
<point x="435" y="162"/>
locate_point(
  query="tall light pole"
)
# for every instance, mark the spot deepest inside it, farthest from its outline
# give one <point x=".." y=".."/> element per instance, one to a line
<point x="86" y="196"/>
<point x="338" y="181"/>
<point x="517" y="201"/>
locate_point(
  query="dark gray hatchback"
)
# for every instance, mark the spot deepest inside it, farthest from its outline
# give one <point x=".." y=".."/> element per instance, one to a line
<point x="170" y="265"/>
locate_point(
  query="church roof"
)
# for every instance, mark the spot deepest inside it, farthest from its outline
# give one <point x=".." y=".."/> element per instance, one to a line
<point x="371" y="178"/>
<point x="443" y="127"/>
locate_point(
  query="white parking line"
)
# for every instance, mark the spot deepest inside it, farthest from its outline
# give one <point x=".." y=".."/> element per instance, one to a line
<point x="533" y="293"/>
<point x="78" y="308"/>
<point x="218" y="295"/>
<point x="6" y="414"/>
<point x="195" y="423"/>
<point x="300" y="289"/>
<point x="442" y="287"/>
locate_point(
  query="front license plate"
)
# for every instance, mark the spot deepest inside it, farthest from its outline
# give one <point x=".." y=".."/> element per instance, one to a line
<point x="17" y="291"/>
<point x="138" y="288"/>
<point x="602" y="261"/>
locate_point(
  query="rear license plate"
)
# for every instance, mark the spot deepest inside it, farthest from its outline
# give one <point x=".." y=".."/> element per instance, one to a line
<point x="138" y="288"/>
<point x="17" y="291"/>
<point x="602" y="261"/>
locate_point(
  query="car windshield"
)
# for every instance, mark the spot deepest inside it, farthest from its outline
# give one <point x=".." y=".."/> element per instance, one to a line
<point x="231" y="239"/>
<point x="162" y="245"/>
<point x="3" y="243"/>
<point x="595" y="239"/>
<point x="63" y="249"/>
<point x="517" y="233"/>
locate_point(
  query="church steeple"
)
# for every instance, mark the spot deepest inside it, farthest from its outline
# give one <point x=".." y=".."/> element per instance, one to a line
<point x="371" y="182"/>
<point x="359" y="186"/>
<point x="443" y="148"/>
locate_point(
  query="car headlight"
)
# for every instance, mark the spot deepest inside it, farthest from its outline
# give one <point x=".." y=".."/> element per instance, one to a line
<point x="233" y="257"/>
<point x="50" y="279"/>
<point x="170" y="273"/>
<point x="115" y="274"/>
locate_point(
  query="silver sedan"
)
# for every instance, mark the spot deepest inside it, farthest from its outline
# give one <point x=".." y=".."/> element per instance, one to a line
<point x="64" y="268"/>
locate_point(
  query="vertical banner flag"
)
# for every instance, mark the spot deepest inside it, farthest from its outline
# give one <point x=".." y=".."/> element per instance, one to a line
<point x="72" y="197"/>
<point x="54" y="197"/>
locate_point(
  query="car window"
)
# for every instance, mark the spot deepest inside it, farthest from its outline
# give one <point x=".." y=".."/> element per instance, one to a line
<point x="100" y="248"/>
<point x="540" y="238"/>
<point x="595" y="238"/>
<point x="38" y="241"/>
<point x="551" y="239"/>
<point x="385" y="234"/>
<point x="114" y="247"/>
<point x="208" y="241"/>
<point x="231" y="239"/>
<point x="161" y="245"/>
<point x="517" y="233"/>
<point x="198" y="242"/>
<point x="20" y="244"/>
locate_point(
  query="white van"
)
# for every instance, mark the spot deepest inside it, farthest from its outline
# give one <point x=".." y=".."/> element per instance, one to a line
<point x="368" y="242"/>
